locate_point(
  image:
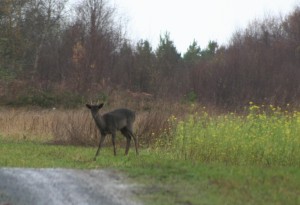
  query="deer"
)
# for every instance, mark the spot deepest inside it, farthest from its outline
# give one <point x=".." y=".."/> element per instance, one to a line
<point x="109" y="123"/>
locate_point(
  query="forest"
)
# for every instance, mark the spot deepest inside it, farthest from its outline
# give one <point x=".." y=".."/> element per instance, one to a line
<point x="52" y="57"/>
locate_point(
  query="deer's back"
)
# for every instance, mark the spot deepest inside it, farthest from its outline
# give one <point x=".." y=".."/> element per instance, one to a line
<point x="119" y="118"/>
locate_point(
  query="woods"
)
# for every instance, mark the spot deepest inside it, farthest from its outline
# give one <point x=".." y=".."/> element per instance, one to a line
<point x="50" y="56"/>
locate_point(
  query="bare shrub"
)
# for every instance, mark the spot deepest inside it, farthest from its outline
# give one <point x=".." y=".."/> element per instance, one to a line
<point x="155" y="124"/>
<point x="150" y="125"/>
<point x="75" y="128"/>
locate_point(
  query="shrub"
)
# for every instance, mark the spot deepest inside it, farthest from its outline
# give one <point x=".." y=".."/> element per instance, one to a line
<point x="46" y="99"/>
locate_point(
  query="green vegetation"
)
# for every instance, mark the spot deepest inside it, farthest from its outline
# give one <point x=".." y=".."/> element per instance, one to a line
<point x="203" y="159"/>
<point x="167" y="181"/>
<point x="266" y="136"/>
<point x="46" y="99"/>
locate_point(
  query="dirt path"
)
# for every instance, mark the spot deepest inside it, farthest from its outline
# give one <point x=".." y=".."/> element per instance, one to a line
<point x="63" y="186"/>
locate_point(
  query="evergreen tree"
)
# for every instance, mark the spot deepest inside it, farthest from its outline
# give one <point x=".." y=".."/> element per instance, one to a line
<point x="168" y="58"/>
<point x="211" y="49"/>
<point x="192" y="55"/>
<point x="144" y="66"/>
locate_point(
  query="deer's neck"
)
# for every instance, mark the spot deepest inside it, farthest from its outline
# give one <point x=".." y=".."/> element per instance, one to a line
<point x="99" y="121"/>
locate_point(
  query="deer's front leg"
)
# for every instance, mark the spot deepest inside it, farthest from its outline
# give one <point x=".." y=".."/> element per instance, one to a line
<point x="102" y="137"/>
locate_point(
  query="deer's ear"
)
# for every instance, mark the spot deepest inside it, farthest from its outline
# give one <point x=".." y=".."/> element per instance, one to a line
<point x="101" y="105"/>
<point x="88" y="106"/>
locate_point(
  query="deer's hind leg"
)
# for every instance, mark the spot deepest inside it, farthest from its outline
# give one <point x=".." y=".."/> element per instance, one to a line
<point x="134" y="139"/>
<point x="125" y="132"/>
<point x="113" y="138"/>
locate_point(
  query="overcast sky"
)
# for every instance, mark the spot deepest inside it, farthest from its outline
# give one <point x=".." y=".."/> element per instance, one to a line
<point x="202" y="20"/>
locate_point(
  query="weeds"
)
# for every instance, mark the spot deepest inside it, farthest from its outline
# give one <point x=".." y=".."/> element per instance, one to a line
<point x="189" y="151"/>
<point x="265" y="136"/>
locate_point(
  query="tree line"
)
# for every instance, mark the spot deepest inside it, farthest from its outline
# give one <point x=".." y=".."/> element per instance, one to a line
<point x="44" y="49"/>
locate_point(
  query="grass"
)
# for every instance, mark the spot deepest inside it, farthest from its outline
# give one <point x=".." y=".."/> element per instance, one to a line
<point x="195" y="159"/>
<point x="264" y="137"/>
<point x="74" y="127"/>
<point x="164" y="180"/>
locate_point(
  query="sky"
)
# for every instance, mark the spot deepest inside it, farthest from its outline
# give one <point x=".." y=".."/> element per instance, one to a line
<point x="200" y="20"/>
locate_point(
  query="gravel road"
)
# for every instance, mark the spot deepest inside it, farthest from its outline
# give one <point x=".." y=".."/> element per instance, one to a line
<point x="63" y="186"/>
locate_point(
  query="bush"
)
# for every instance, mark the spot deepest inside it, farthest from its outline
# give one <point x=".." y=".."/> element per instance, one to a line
<point x="35" y="98"/>
<point x="47" y="99"/>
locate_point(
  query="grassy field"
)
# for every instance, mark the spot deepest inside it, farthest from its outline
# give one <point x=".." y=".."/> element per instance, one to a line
<point x="164" y="180"/>
<point x="198" y="158"/>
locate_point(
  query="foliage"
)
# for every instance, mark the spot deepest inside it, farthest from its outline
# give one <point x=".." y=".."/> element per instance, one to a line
<point x="191" y="97"/>
<point x="124" y="64"/>
<point x="211" y="49"/>
<point x="167" y="55"/>
<point x="266" y="136"/>
<point x="7" y="75"/>
<point x="88" y="52"/>
<point x="192" y="55"/>
<point x="34" y="98"/>
<point x="145" y="76"/>
<point x="47" y="99"/>
<point x="25" y="25"/>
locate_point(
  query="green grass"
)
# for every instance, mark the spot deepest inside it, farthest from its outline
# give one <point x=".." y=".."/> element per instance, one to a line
<point x="165" y="180"/>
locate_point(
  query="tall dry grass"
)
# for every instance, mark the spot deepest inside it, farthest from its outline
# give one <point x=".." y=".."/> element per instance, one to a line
<point x="76" y="127"/>
<point x="26" y="124"/>
<point x="57" y="126"/>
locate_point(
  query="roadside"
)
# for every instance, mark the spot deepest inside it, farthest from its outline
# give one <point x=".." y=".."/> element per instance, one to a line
<point x="63" y="186"/>
<point x="154" y="177"/>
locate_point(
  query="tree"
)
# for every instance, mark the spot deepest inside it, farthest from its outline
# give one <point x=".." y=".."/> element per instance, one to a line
<point x="42" y="21"/>
<point x="123" y="70"/>
<point x="211" y="49"/>
<point x="192" y="55"/>
<point x="145" y="74"/>
<point x="101" y="37"/>
<point x="168" y="58"/>
<point x="12" y="42"/>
